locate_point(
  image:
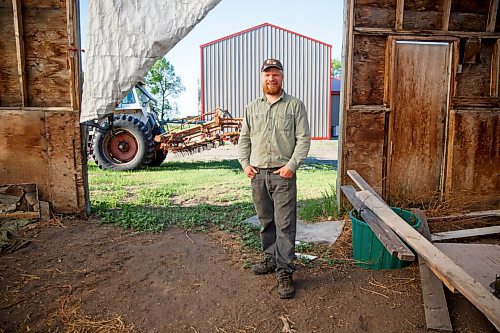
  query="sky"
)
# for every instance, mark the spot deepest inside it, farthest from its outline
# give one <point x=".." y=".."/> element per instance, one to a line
<point x="318" y="19"/>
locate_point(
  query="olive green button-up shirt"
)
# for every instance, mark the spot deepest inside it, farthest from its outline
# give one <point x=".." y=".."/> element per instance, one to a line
<point x="274" y="135"/>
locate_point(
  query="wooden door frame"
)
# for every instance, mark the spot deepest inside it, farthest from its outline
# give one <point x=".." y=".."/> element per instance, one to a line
<point x="389" y="87"/>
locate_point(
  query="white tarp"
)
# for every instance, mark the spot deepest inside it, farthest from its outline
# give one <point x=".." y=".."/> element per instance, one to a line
<point x="125" y="38"/>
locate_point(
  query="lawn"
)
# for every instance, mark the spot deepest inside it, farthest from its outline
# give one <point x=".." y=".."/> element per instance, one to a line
<point x="198" y="196"/>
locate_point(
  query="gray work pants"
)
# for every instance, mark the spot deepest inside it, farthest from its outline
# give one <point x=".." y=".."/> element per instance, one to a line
<point x="275" y="200"/>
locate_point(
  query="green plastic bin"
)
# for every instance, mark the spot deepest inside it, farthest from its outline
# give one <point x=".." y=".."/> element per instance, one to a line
<point x="368" y="251"/>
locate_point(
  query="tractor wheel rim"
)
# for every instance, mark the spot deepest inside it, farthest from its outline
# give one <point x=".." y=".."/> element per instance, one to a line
<point x="123" y="147"/>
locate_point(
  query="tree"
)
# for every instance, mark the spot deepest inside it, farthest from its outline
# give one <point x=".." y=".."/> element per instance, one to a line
<point x="336" y="68"/>
<point x="166" y="86"/>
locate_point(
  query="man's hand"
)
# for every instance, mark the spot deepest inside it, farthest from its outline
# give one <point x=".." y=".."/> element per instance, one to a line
<point x="250" y="171"/>
<point x="284" y="172"/>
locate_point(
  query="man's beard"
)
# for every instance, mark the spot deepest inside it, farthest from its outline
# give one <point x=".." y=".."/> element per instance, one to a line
<point x="273" y="91"/>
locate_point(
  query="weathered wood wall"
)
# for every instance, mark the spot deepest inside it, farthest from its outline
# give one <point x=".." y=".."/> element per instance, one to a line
<point x="471" y="143"/>
<point x="40" y="134"/>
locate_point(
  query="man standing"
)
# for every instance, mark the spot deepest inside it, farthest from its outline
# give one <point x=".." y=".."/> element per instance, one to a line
<point x="274" y="142"/>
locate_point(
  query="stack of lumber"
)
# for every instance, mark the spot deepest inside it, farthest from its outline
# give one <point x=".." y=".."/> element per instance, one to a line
<point x="438" y="263"/>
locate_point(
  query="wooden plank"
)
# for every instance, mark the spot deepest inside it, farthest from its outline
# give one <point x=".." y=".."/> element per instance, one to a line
<point x="437" y="316"/>
<point x="423" y="33"/>
<point x="387" y="237"/>
<point x="18" y="30"/>
<point x="21" y="215"/>
<point x="436" y="259"/>
<point x="481" y="261"/>
<point x="495" y="70"/>
<point x="446" y="15"/>
<point x="9" y="82"/>
<point x="492" y="16"/>
<point x="362" y="184"/>
<point x="380" y="13"/>
<point x="400" y="7"/>
<point x="485" y="213"/>
<point x="439" y="236"/>
<point x="423" y="15"/>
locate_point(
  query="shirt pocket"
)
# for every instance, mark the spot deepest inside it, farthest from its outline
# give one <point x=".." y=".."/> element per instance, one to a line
<point x="257" y="123"/>
<point x="284" y="122"/>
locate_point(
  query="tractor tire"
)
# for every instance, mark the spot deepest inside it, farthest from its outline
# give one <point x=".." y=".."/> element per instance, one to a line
<point x="127" y="145"/>
<point x="158" y="158"/>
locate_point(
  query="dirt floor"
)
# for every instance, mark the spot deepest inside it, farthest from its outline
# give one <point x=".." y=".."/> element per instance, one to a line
<point x="79" y="276"/>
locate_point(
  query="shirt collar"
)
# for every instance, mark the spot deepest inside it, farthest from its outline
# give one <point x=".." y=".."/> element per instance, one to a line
<point x="282" y="96"/>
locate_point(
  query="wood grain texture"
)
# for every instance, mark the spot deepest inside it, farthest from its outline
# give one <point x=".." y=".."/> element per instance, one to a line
<point x="416" y="141"/>
<point x="475" y="79"/>
<point x="423" y="15"/>
<point x="481" y="261"/>
<point x="368" y="70"/>
<point x="475" y="156"/>
<point x="9" y="82"/>
<point x="21" y="67"/>
<point x="44" y="148"/>
<point x="492" y="16"/>
<point x="384" y="234"/>
<point x="378" y="13"/>
<point x="437" y="260"/>
<point x="364" y="149"/>
<point x="437" y="316"/>
<point x="46" y="45"/>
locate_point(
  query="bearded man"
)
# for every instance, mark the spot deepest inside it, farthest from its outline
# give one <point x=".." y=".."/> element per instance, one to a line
<point x="274" y="142"/>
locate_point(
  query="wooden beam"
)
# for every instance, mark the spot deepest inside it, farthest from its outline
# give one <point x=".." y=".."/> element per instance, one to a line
<point x="488" y="304"/>
<point x="19" y="36"/>
<point x="428" y="33"/>
<point x="73" y="53"/>
<point x="362" y="184"/>
<point x="400" y="8"/>
<point x="387" y="237"/>
<point x="437" y="316"/>
<point x="495" y="69"/>
<point x="439" y="236"/>
<point x="492" y="16"/>
<point x="446" y="15"/>
<point x="485" y="213"/>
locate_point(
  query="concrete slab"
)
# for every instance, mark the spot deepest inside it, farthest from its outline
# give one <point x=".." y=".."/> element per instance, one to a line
<point x="321" y="232"/>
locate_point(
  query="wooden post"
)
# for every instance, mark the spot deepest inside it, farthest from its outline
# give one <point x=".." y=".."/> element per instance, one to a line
<point x="446" y="15"/>
<point x="495" y="69"/>
<point x="488" y="304"/>
<point x="400" y="8"/>
<point x="19" y="35"/>
<point x="492" y="16"/>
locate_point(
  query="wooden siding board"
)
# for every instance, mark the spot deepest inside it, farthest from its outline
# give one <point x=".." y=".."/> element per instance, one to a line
<point x="49" y="144"/>
<point x="375" y="13"/>
<point x="423" y="14"/>
<point x="62" y="139"/>
<point x="467" y="22"/>
<point x="46" y="45"/>
<point x="23" y="150"/>
<point x="368" y="70"/>
<point x="475" y="79"/>
<point x="9" y="79"/>
<point x="365" y="145"/>
<point x="475" y="150"/>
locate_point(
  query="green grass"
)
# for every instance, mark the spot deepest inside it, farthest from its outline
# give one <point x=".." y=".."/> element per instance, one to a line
<point x="199" y="195"/>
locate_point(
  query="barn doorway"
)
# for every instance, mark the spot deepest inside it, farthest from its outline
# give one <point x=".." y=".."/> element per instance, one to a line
<point x="419" y="98"/>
